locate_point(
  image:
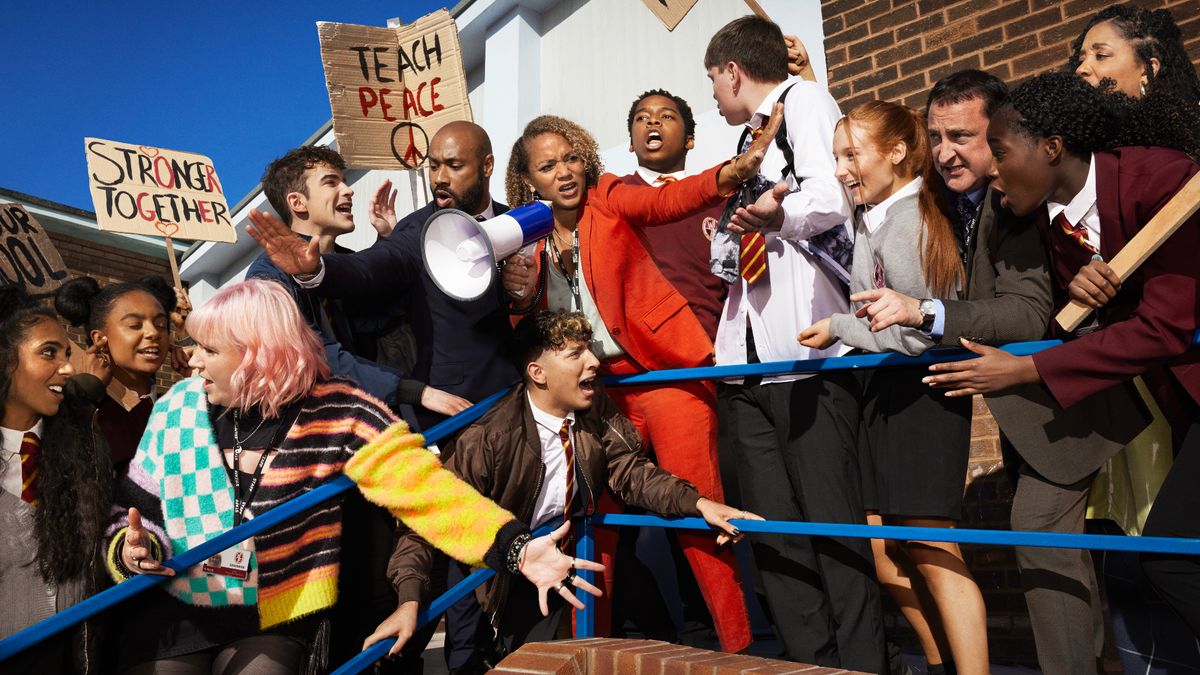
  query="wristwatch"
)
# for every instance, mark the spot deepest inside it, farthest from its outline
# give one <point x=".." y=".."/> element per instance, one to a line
<point x="928" y="311"/>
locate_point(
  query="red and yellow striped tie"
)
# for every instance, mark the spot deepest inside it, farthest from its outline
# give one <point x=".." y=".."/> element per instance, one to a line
<point x="665" y="179"/>
<point x="30" y="463"/>
<point x="564" y="435"/>
<point x="752" y="257"/>
<point x="1078" y="231"/>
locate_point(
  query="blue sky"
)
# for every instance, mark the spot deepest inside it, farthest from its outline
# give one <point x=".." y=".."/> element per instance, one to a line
<point x="240" y="82"/>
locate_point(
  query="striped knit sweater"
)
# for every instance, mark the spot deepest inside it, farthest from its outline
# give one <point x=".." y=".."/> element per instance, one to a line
<point x="179" y="484"/>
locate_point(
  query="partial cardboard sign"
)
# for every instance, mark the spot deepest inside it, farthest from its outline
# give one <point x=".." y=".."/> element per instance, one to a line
<point x="670" y="12"/>
<point x="27" y="256"/>
<point x="156" y="192"/>
<point x="392" y="89"/>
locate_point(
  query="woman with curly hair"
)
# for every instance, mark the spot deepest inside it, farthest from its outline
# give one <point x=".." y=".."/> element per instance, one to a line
<point x="1139" y="52"/>
<point x="261" y="423"/>
<point x="1051" y="160"/>
<point x="129" y="324"/>
<point x="57" y="487"/>
<point x="595" y="262"/>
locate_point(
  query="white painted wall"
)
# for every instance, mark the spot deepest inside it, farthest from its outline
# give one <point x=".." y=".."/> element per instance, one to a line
<point x="582" y="59"/>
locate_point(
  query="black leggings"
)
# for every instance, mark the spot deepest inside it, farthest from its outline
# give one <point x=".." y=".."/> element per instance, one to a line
<point x="1176" y="513"/>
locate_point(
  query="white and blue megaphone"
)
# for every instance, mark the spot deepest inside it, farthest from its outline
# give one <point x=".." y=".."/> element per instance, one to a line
<point x="461" y="253"/>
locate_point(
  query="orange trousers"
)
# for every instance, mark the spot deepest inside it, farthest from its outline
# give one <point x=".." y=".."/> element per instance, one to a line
<point x="680" y="422"/>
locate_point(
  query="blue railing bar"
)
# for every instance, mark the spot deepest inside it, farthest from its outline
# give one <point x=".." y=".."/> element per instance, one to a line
<point x="585" y="548"/>
<point x="1094" y="542"/>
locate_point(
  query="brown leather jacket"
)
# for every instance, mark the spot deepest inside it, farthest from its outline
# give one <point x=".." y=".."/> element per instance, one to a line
<point x="501" y="456"/>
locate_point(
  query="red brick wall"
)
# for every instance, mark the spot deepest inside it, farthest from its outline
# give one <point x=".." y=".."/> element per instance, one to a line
<point x="108" y="264"/>
<point x="896" y="49"/>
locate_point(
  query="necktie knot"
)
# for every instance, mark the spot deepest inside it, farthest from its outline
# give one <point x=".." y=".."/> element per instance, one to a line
<point x="1077" y="231"/>
<point x="665" y="179"/>
<point x="480" y="218"/>
<point x="30" y="464"/>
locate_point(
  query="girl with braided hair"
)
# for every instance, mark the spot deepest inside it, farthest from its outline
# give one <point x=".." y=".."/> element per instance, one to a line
<point x="57" y="486"/>
<point x="1050" y="161"/>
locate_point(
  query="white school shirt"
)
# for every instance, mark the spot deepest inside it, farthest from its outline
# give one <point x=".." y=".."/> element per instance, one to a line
<point x="11" y="478"/>
<point x="797" y="292"/>
<point x="650" y="175"/>
<point x="1082" y="208"/>
<point x="553" y="498"/>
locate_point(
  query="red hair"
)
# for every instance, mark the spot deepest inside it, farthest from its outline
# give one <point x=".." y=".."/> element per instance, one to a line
<point x="282" y="358"/>
<point x="886" y="125"/>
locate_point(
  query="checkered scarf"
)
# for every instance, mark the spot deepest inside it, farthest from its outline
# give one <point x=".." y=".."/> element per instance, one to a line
<point x="180" y="457"/>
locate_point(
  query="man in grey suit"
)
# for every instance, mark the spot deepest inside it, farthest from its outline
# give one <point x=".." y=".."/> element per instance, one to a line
<point x="1008" y="298"/>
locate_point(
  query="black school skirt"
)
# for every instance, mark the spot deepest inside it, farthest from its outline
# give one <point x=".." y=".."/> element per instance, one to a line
<point x="914" y="445"/>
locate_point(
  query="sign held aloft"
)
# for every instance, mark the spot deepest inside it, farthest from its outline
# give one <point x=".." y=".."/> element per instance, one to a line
<point x="392" y="89"/>
<point x="27" y="256"/>
<point x="156" y="192"/>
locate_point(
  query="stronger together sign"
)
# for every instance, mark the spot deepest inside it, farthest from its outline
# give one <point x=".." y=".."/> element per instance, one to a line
<point x="391" y="89"/>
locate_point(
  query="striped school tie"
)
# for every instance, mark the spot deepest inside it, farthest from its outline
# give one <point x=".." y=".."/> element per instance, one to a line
<point x="564" y="435"/>
<point x="1078" y="231"/>
<point x="30" y="463"/>
<point x="661" y="180"/>
<point x="752" y="254"/>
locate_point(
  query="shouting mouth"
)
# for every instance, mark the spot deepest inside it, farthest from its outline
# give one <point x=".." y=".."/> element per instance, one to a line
<point x="654" y="140"/>
<point x="346" y="209"/>
<point x="443" y="197"/>
<point x="588" y="386"/>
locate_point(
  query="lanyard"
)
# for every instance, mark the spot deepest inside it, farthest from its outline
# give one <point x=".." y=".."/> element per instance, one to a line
<point x="573" y="280"/>
<point x="239" y="506"/>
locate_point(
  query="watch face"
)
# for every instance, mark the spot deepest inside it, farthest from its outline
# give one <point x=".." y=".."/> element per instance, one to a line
<point x="926" y="308"/>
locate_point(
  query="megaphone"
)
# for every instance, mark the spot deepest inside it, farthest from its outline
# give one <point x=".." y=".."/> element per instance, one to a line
<point x="460" y="253"/>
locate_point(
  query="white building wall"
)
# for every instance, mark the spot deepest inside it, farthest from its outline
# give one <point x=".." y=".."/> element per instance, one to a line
<point x="582" y="59"/>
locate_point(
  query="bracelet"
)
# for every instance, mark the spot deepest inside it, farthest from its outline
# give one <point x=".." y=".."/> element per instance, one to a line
<point x="513" y="558"/>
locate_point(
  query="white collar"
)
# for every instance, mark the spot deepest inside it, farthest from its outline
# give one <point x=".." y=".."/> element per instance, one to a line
<point x="650" y="175"/>
<point x="763" y="113"/>
<point x="547" y="420"/>
<point x="12" y="437"/>
<point x="875" y="215"/>
<point x="1082" y="202"/>
<point x="489" y="212"/>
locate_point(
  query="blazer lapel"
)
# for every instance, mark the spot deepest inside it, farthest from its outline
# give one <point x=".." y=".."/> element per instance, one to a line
<point x="1108" y="204"/>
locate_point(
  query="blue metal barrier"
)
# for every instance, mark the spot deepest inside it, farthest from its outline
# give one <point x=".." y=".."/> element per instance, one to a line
<point x="119" y="593"/>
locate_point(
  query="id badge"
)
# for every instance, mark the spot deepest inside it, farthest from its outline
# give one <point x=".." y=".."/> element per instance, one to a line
<point x="234" y="562"/>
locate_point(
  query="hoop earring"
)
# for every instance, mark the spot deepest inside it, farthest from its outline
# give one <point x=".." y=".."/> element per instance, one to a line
<point x="1143" y="88"/>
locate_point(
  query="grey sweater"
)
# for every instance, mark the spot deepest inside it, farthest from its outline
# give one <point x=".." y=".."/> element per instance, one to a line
<point x="889" y="257"/>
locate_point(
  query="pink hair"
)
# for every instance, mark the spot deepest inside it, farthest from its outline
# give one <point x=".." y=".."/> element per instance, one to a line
<point x="282" y="358"/>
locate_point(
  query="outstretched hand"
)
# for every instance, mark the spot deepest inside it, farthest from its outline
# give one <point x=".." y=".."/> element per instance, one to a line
<point x="382" y="209"/>
<point x="744" y="166"/>
<point x="135" y="552"/>
<point x="548" y="568"/>
<point x="766" y="213"/>
<point x="285" y="248"/>
<point x="995" y="370"/>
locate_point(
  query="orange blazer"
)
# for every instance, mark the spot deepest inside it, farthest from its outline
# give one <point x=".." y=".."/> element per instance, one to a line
<point x="645" y="314"/>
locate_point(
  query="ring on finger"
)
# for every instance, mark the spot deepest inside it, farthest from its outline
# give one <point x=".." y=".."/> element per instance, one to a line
<point x="570" y="580"/>
<point x="138" y="562"/>
<point x="562" y="586"/>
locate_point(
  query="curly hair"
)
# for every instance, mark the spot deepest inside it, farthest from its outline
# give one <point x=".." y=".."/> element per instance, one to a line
<point x="887" y="124"/>
<point x="285" y="175"/>
<point x="516" y="177"/>
<point x="1153" y="34"/>
<point x="1061" y="104"/>
<point x="82" y="301"/>
<point x="547" y="331"/>
<point x="685" y="110"/>
<point x="75" y="477"/>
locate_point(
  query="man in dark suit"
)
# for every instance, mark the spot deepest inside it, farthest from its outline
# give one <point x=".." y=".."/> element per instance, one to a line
<point x="1007" y="298"/>
<point x="460" y="345"/>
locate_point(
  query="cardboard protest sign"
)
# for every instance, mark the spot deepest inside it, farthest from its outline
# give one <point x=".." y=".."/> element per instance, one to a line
<point x="670" y="12"/>
<point x="156" y="192"/>
<point x="391" y="89"/>
<point x="27" y="257"/>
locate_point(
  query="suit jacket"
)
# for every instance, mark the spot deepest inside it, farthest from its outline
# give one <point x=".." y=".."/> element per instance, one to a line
<point x="1153" y="320"/>
<point x="1008" y="298"/>
<point x="460" y="345"/>
<point x="645" y="314"/>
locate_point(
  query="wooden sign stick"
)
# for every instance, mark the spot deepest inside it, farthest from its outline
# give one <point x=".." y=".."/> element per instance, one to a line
<point x="174" y="264"/>
<point x="1170" y="218"/>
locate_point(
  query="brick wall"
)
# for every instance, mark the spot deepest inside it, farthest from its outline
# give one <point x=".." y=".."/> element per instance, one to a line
<point x="109" y="264"/>
<point x="607" y="656"/>
<point x="895" y="50"/>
